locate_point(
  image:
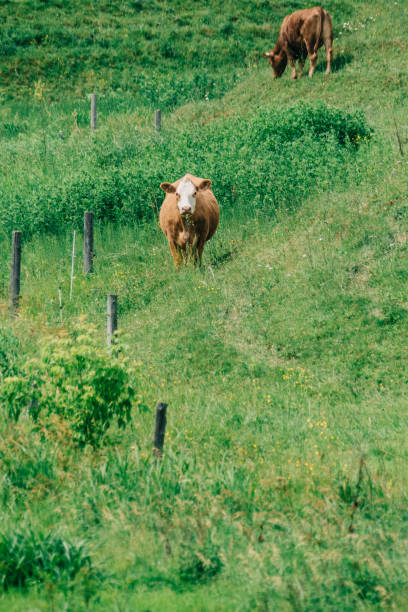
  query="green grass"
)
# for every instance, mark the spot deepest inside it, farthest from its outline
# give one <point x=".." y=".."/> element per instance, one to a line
<point x="282" y="359"/>
<point x="144" y="47"/>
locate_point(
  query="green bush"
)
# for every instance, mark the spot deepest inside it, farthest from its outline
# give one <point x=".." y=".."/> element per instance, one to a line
<point x="75" y="379"/>
<point x="271" y="159"/>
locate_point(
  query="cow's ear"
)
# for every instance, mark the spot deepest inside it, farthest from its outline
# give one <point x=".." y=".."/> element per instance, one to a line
<point x="205" y="184"/>
<point x="168" y="187"/>
<point x="266" y="54"/>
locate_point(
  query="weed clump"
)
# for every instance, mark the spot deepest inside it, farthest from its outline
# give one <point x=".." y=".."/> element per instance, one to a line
<point x="27" y="557"/>
<point x="76" y="380"/>
<point x="9" y="345"/>
<point x="198" y="567"/>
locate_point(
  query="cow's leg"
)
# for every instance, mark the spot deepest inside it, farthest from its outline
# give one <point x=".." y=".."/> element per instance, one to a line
<point x="198" y="254"/>
<point x="313" y="63"/>
<point x="190" y="252"/>
<point x="329" y="55"/>
<point x="312" y="57"/>
<point x="292" y="65"/>
<point x="176" y="254"/>
<point x="200" y="249"/>
<point x="301" y="66"/>
<point x="193" y="252"/>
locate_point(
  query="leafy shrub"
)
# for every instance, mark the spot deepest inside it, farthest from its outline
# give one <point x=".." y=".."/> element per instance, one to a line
<point x="27" y="557"/>
<point x="318" y="120"/>
<point x="75" y="379"/>
<point x="270" y="159"/>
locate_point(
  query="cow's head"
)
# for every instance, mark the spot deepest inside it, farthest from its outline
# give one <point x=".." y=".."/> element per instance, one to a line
<point x="278" y="61"/>
<point x="186" y="194"/>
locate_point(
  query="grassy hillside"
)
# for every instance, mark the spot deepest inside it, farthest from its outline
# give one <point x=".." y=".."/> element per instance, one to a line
<point x="283" y="483"/>
<point x="144" y="47"/>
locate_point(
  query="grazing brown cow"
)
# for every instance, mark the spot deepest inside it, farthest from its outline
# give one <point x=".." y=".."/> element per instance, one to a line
<point x="188" y="216"/>
<point x="302" y="33"/>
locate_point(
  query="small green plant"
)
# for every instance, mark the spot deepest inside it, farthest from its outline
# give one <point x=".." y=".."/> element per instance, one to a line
<point x="76" y="379"/>
<point x="27" y="557"/>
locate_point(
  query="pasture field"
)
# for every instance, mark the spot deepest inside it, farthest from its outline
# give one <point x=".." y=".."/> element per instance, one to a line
<point x="283" y="484"/>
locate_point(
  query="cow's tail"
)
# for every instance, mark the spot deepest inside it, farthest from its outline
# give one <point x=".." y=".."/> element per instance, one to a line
<point x="319" y="29"/>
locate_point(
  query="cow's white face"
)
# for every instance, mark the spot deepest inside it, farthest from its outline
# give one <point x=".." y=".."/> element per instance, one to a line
<point x="186" y="197"/>
<point x="186" y="194"/>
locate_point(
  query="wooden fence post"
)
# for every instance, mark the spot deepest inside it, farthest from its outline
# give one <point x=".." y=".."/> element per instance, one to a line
<point x="112" y="318"/>
<point x="160" y="429"/>
<point x="94" y="111"/>
<point x="15" y="271"/>
<point x="88" y="242"/>
<point x="72" y="265"/>
<point x="157" y="120"/>
<point x="60" y="302"/>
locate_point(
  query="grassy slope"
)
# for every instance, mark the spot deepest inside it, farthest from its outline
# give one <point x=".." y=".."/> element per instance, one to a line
<point x="122" y="45"/>
<point x="281" y="366"/>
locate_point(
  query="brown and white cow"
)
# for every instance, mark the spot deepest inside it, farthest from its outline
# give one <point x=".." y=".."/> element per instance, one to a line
<point x="302" y="33"/>
<point x="188" y="216"/>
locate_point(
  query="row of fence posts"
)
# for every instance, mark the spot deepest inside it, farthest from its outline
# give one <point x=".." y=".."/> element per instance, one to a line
<point x="94" y="114"/>
<point x="15" y="276"/>
<point x="112" y="308"/>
